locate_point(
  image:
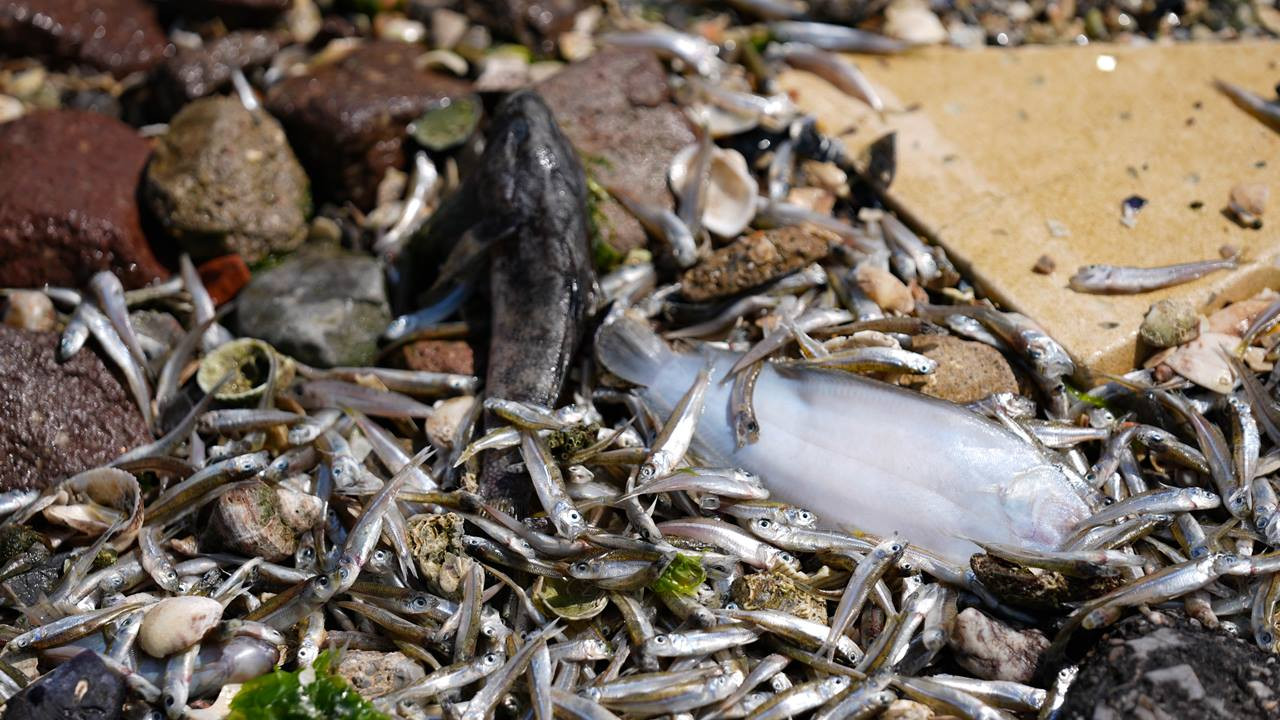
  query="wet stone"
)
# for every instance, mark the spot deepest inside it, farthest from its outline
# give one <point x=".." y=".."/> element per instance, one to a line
<point x="21" y="547"/>
<point x="261" y="521"/>
<point x="348" y="118"/>
<point x="68" y="201"/>
<point x="992" y="650"/>
<point x="754" y="260"/>
<point x="196" y="72"/>
<point x="323" y="306"/>
<point x="120" y="36"/>
<point x="448" y="356"/>
<point x="772" y="591"/>
<point x="224" y="277"/>
<point x="533" y="23"/>
<point x="1177" y="669"/>
<point x="224" y="180"/>
<point x="82" y="688"/>
<point x="57" y="419"/>
<point x="373" y="674"/>
<point x="967" y="371"/>
<point x="29" y="310"/>
<point x="615" y="107"/>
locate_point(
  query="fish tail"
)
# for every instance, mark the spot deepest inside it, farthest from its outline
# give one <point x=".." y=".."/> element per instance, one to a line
<point x="628" y="348"/>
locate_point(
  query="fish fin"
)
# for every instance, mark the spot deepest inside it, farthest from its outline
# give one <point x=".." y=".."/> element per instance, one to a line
<point x="628" y="348"/>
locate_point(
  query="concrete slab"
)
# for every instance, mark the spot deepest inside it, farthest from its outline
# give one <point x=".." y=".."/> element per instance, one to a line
<point x="993" y="144"/>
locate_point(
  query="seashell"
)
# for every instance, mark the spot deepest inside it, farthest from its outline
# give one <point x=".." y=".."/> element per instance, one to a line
<point x="571" y="600"/>
<point x="442" y="426"/>
<point x="112" y="488"/>
<point x="912" y="21"/>
<point x="723" y="123"/>
<point x="177" y="623"/>
<point x="249" y="361"/>
<point x="447" y="59"/>
<point x="730" y="195"/>
<point x="1248" y="202"/>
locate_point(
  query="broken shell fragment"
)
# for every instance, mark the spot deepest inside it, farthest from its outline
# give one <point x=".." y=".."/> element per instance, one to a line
<point x="177" y="623"/>
<point x="1248" y="202"/>
<point x="249" y="361"/>
<point x="730" y="194"/>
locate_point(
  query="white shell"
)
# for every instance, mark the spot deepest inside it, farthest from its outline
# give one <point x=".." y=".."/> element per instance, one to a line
<point x="177" y="623"/>
<point x="730" y="193"/>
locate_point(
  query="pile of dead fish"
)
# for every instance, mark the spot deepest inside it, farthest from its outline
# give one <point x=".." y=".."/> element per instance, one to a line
<point x="741" y="513"/>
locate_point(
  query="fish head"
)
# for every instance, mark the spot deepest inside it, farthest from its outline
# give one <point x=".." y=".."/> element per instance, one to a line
<point x="836" y="684"/>
<point x="490" y="662"/>
<point x="1089" y="276"/>
<point x="307" y="653"/>
<point x="1040" y="506"/>
<point x="1049" y="358"/>
<point x="581" y="570"/>
<point x="767" y="529"/>
<point x="800" y="517"/>
<point x="345" y="471"/>
<point x="568" y="521"/>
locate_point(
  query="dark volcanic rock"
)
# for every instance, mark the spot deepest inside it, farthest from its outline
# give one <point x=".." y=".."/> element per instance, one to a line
<point x="196" y="72"/>
<point x="223" y="180"/>
<point x="615" y="107"/>
<point x="1176" y="670"/>
<point x="79" y="689"/>
<point x="347" y="119"/>
<point x="120" y="36"/>
<point x="57" y="419"/>
<point x="323" y="306"/>
<point x="68" y="201"/>
<point x="532" y="23"/>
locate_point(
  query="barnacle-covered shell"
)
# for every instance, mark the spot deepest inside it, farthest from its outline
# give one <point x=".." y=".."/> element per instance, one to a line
<point x="249" y="360"/>
<point x="730" y="195"/>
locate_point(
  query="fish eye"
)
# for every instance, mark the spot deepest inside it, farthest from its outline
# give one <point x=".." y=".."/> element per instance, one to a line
<point x="765" y="523"/>
<point x="487" y="631"/>
<point x="731" y="605"/>
<point x="490" y="658"/>
<point x="660" y="640"/>
<point x="896" y="547"/>
<point x="580" y="567"/>
<point x="575" y="516"/>
<point x="322" y="581"/>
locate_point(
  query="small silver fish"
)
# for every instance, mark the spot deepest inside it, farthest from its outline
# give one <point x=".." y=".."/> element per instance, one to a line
<point x="1125" y="280"/>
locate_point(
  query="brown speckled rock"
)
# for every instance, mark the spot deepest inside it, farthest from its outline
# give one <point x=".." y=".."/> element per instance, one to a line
<point x="448" y="356"/>
<point x="967" y="371"/>
<point x="57" y="419"/>
<point x="615" y="108"/>
<point x="121" y="36"/>
<point x="753" y="260"/>
<point x="773" y="591"/>
<point x="68" y="201"/>
<point x="347" y="119"/>
<point x="196" y="72"/>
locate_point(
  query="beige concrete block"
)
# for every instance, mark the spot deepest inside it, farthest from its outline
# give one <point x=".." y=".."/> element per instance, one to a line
<point x="993" y="144"/>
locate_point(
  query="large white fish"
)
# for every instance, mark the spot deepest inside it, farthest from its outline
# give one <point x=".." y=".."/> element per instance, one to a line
<point x="863" y="454"/>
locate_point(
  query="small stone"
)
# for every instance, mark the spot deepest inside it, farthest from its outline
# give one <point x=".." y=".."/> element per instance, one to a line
<point x="994" y="651"/>
<point x="912" y="21"/>
<point x="374" y="674"/>
<point x="323" y="306"/>
<point x="753" y="260"/>
<point x="59" y="418"/>
<point x="906" y="710"/>
<point x="1170" y="322"/>
<point x="119" y="36"/>
<point x="261" y="521"/>
<point x="1248" y="201"/>
<point x="224" y="180"/>
<point x="884" y="288"/>
<point x="29" y="310"/>
<point x="224" y="277"/>
<point x="68" y="200"/>
<point x="198" y="72"/>
<point x="1045" y="265"/>
<point x="177" y="623"/>
<point x="443" y="424"/>
<point x="82" y="687"/>
<point x="615" y="107"/>
<point x="967" y="371"/>
<point x="772" y="591"/>
<point x="446" y="356"/>
<point x="534" y="24"/>
<point x="347" y="118"/>
<point x="11" y="108"/>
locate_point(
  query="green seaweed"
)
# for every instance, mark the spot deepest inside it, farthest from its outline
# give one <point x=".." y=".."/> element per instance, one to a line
<point x="282" y="695"/>
<point x="605" y="256"/>
<point x="682" y="576"/>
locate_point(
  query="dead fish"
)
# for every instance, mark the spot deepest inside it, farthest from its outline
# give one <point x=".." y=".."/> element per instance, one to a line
<point x="837" y="38"/>
<point x="830" y="67"/>
<point x="1124" y="280"/>
<point x="1254" y="104"/>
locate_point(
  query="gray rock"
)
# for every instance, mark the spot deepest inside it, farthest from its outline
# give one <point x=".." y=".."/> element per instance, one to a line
<point x="323" y="306"/>
<point x="224" y="180"/>
<point x="79" y="689"/>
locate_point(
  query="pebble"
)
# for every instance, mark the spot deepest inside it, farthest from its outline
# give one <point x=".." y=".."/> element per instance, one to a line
<point x="71" y="210"/>
<point x="59" y="418"/>
<point x="197" y="72"/>
<point x="258" y="520"/>
<point x="224" y="180"/>
<point x="119" y="36"/>
<point x="533" y="23"/>
<point x="224" y="277"/>
<point x="443" y="424"/>
<point x="374" y="673"/>
<point x="906" y="710"/>
<point x="1248" y="201"/>
<point x="323" y="306"/>
<point x="11" y="108"/>
<point x="1045" y="265"/>
<point x="615" y="107"/>
<point x="1169" y="322"/>
<point x="753" y="260"/>
<point x="994" y="651"/>
<point x="446" y="356"/>
<point x="83" y="687"/>
<point x="967" y="371"/>
<point x="177" y="623"/>
<point x="29" y="310"/>
<point x="913" y="22"/>
<point x="347" y="118"/>
<point x="884" y="288"/>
